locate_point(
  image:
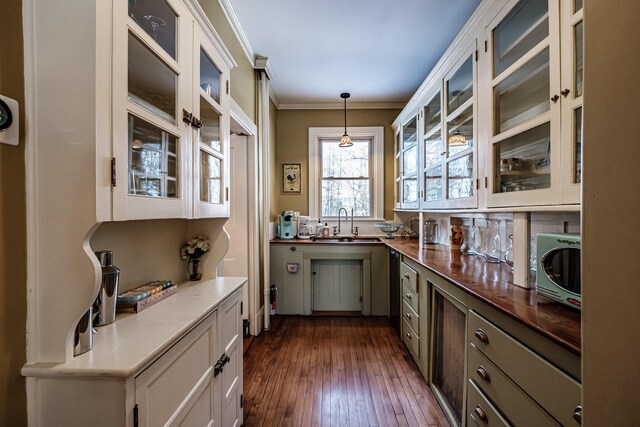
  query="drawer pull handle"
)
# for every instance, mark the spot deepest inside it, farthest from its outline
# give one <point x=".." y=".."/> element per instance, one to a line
<point x="482" y="373"/>
<point x="577" y="414"/>
<point x="406" y="276"/>
<point x="480" y="413"/>
<point x="408" y="296"/>
<point x="408" y="315"/>
<point x="409" y="335"/>
<point x="482" y="336"/>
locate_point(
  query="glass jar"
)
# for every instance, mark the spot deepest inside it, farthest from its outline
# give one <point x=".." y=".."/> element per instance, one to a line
<point x="508" y="254"/>
<point x="493" y="245"/>
<point x="467" y="247"/>
<point x="479" y="235"/>
<point x="430" y="231"/>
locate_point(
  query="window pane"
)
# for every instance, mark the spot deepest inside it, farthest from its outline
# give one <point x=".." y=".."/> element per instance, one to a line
<point x="210" y="178"/>
<point x="579" y="49"/>
<point x="345" y="162"/>
<point x="577" y="6"/>
<point x="433" y="184"/>
<point x="459" y="177"/>
<point x="410" y="160"/>
<point x="158" y="20"/>
<point x="152" y="84"/>
<point x="523" y="95"/>
<point x="432" y="114"/>
<point x="523" y="162"/>
<point x="209" y="77"/>
<point x="460" y="86"/>
<point x="152" y="160"/>
<point x="410" y="190"/>
<point x="210" y="130"/>
<point x="523" y="28"/>
<point x="578" y="144"/>
<point x="410" y="133"/>
<point x="460" y="132"/>
<point x="432" y="149"/>
<point x="346" y="193"/>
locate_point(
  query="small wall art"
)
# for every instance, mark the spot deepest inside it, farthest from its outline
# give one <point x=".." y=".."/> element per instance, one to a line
<point x="291" y="178"/>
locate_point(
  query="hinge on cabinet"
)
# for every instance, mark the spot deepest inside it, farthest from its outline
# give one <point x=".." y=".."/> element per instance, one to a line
<point x="486" y="182"/>
<point x="242" y="400"/>
<point x="187" y="117"/>
<point x="241" y="307"/>
<point x="477" y="184"/>
<point x="113" y="171"/>
<point x="476" y="55"/>
<point x="226" y="196"/>
<point x="227" y="87"/>
<point x="135" y="415"/>
<point x="485" y="45"/>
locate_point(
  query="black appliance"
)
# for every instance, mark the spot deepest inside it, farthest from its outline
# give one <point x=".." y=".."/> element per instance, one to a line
<point x="394" y="290"/>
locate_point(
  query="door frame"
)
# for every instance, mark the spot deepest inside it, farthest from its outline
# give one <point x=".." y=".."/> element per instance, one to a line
<point x="253" y="215"/>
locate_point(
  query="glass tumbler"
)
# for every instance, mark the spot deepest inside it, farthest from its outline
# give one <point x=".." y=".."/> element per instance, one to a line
<point x="508" y="254"/>
<point x="492" y="244"/>
<point x="467" y="247"/>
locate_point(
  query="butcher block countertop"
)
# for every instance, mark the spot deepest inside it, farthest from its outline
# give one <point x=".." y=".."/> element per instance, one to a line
<point x="491" y="284"/>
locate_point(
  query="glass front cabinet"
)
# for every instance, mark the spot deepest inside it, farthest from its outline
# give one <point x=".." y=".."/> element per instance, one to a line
<point x="408" y="157"/>
<point x="536" y="115"/>
<point x="170" y="115"/>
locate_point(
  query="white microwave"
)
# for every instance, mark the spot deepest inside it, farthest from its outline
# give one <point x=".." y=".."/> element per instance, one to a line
<point x="558" y="268"/>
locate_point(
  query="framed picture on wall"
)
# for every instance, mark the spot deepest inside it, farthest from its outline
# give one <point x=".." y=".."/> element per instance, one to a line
<point x="291" y="178"/>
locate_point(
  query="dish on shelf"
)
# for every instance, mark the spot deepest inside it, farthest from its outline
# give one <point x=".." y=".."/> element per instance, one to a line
<point x="389" y="228"/>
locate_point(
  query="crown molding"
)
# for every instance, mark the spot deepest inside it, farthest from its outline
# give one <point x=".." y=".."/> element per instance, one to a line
<point x="263" y="63"/>
<point x="237" y="29"/>
<point x="340" y="106"/>
<point x="202" y="19"/>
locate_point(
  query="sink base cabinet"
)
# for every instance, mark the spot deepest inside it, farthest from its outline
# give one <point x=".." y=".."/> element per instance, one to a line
<point x="181" y="387"/>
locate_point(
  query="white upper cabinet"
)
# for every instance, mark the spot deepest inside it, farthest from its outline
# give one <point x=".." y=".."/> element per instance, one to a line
<point x="170" y="114"/>
<point x="533" y="80"/>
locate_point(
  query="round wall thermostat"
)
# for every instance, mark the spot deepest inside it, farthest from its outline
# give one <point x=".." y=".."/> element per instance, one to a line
<point x="5" y="115"/>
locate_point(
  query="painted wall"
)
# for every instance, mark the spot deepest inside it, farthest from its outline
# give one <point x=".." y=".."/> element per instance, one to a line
<point x="243" y="77"/>
<point x="273" y="168"/>
<point x="293" y="147"/>
<point x="13" y="251"/>
<point x="611" y="208"/>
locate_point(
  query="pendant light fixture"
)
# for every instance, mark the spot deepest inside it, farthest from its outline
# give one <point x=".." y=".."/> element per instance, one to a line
<point x="345" y="141"/>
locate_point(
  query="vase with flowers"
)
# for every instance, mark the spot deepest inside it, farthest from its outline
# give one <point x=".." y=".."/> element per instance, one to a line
<point x="192" y="251"/>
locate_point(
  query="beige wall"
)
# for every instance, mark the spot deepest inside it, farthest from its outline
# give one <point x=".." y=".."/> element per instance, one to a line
<point x="243" y="77"/>
<point x="13" y="251"/>
<point x="273" y="141"/>
<point x="611" y="213"/>
<point x="293" y="147"/>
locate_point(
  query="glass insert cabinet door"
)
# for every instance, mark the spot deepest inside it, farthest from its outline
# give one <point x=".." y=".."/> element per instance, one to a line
<point x="524" y="138"/>
<point x="409" y="163"/>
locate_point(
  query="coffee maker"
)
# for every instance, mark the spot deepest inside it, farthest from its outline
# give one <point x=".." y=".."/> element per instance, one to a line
<point x="304" y="227"/>
<point x="286" y="229"/>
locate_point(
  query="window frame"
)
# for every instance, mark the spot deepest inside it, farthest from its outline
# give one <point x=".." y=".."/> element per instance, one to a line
<point x="376" y="164"/>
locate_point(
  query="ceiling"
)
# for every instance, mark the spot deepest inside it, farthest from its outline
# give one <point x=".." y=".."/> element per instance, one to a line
<point x="378" y="50"/>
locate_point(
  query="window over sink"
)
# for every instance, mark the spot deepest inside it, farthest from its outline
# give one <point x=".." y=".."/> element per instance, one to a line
<point x="346" y="177"/>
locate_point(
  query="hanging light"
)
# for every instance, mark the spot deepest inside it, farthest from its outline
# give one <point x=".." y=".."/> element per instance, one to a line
<point x="457" y="139"/>
<point x="345" y="141"/>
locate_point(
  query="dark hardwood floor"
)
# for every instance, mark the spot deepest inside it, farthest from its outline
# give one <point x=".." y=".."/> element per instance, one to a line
<point x="334" y="371"/>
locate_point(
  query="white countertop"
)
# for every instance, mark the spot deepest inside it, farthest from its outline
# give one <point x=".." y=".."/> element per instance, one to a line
<point x="127" y="346"/>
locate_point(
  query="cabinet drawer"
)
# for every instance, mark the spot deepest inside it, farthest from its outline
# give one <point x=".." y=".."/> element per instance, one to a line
<point x="411" y="298"/>
<point x="551" y="388"/>
<point x="411" y="317"/>
<point x="510" y="400"/>
<point x="409" y="277"/>
<point x="411" y="340"/>
<point x="480" y="412"/>
<point x="163" y="391"/>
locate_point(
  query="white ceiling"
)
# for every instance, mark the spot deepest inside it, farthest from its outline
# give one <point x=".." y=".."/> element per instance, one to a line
<point x="378" y="50"/>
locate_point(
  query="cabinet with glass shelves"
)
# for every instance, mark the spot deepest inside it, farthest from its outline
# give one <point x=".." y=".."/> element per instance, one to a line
<point x="533" y="153"/>
<point x="408" y="152"/>
<point x="170" y="107"/>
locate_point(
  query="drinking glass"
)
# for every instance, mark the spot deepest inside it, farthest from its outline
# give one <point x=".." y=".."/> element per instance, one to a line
<point x="467" y="247"/>
<point x="492" y="245"/>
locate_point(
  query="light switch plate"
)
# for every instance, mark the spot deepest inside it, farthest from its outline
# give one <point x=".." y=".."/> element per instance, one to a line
<point x="9" y="116"/>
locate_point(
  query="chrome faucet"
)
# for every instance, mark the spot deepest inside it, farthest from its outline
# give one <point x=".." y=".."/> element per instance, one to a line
<point x="346" y="217"/>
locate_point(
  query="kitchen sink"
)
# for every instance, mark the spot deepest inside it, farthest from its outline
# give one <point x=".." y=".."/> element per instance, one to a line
<point x="347" y="240"/>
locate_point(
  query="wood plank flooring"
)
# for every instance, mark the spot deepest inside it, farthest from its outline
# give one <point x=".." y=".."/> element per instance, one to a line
<point x="334" y="371"/>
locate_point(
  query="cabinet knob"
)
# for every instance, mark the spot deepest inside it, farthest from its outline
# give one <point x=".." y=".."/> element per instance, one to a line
<point x="555" y="98"/>
<point x="409" y="335"/>
<point x="481" y="335"/>
<point x="577" y="414"/>
<point x="565" y="92"/>
<point x="408" y="296"/>
<point x="480" y="413"/>
<point x="482" y="373"/>
<point x="408" y="315"/>
<point x="406" y="276"/>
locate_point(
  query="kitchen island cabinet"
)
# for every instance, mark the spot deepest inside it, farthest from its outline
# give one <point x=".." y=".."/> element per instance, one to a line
<point x="179" y="361"/>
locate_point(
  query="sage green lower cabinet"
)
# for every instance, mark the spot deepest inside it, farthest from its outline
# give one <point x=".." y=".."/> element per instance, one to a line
<point x="289" y="283"/>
